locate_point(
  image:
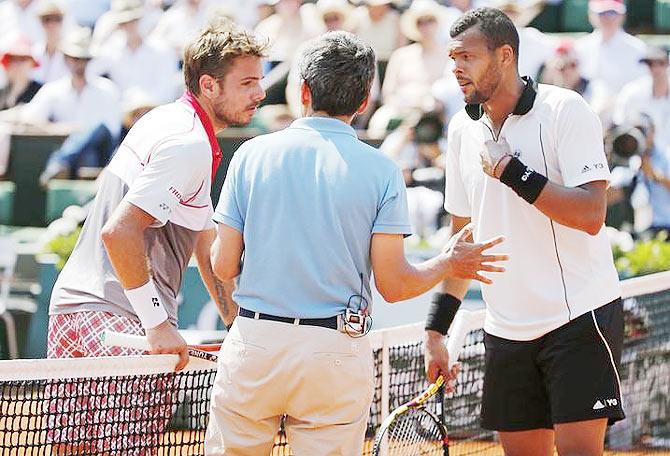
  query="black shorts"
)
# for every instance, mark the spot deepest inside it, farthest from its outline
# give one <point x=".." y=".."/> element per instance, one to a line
<point x="569" y="374"/>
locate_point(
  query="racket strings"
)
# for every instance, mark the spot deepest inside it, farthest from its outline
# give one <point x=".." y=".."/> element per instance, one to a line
<point x="414" y="433"/>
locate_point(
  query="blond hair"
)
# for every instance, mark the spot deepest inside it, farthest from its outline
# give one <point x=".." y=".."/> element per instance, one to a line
<point x="214" y="50"/>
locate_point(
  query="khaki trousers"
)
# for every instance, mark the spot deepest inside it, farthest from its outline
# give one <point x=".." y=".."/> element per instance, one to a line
<point x="320" y="378"/>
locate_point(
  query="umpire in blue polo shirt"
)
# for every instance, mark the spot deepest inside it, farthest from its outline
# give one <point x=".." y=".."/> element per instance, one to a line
<point x="313" y="210"/>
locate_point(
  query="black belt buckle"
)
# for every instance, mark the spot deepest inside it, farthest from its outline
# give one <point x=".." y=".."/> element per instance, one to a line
<point x="330" y="322"/>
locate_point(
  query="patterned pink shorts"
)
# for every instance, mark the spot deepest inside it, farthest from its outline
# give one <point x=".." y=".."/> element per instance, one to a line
<point x="88" y="416"/>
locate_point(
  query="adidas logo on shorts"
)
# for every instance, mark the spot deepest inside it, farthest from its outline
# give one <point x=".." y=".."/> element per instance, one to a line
<point x="599" y="405"/>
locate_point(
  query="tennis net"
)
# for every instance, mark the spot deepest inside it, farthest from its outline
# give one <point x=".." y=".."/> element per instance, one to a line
<point x="137" y="406"/>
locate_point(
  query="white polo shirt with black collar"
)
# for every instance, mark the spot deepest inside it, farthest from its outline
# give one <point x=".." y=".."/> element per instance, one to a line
<point x="555" y="273"/>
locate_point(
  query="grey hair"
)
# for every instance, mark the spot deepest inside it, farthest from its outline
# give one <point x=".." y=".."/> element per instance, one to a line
<point x="338" y="68"/>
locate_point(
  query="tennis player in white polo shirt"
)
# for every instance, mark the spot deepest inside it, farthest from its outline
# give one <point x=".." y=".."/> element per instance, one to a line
<point x="152" y="213"/>
<point x="528" y="162"/>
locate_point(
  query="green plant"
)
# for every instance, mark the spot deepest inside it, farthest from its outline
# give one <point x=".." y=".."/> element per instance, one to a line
<point x="63" y="245"/>
<point x="646" y="257"/>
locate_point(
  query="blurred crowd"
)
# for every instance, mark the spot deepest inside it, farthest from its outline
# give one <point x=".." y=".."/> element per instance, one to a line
<point x="89" y="69"/>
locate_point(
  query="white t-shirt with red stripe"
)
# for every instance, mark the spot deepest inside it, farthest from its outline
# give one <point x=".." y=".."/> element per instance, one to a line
<point x="164" y="167"/>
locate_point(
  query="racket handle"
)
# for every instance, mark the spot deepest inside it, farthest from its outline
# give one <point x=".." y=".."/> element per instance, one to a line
<point x="117" y="339"/>
<point x="464" y="322"/>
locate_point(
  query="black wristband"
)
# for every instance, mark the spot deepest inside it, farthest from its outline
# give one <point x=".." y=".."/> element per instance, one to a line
<point x="443" y="308"/>
<point x="525" y="181"/>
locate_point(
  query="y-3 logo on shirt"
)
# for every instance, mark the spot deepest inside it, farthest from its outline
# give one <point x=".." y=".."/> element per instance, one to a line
<point x="155" y="302"/>
<point x="588" y="168"/>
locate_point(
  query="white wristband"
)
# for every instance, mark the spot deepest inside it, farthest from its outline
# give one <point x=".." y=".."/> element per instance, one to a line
<point x="147" y="304"/>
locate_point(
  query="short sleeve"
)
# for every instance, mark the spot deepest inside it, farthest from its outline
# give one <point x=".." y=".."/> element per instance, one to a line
<point x="580" y="150"/>
<point x="172" y="171"/>
<point x="393" y="213"/>
<point x="455" y="197"/>
<point x="228" y="209"/>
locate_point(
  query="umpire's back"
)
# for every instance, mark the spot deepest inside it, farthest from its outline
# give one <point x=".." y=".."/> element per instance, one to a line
<point x="307" y="200"/>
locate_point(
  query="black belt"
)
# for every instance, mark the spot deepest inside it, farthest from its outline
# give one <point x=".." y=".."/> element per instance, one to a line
<point x="330" y="322"/>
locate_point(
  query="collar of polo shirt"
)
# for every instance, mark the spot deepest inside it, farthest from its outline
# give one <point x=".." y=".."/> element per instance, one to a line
<point x="525" y="103"/>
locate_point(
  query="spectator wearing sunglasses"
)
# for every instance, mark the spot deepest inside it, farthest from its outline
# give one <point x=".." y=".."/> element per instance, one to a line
<point x="609" y="54"/>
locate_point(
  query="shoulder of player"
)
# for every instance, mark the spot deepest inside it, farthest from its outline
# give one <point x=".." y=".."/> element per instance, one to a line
<point x="565" y="107"/>
<point x="169" y="128"/>
<point x="559" y="98"/>
<point x="261" y="142"/>
<point x="187" y="150"/>
<point x="458" y="122"/>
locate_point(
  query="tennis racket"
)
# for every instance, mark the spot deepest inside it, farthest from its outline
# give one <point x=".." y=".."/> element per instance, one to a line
<point x="207" y="352"/>
<point x="412" y="429"/>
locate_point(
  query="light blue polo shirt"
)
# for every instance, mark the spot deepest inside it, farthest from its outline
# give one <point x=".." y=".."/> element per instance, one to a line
<point x="659" y="195"/>
<point x="307" y="200"/>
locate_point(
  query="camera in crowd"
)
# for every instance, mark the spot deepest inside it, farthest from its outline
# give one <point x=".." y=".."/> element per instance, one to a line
<point x="429" y="128"/>
<point x="428" y="132"/>
<point x="629" y="140"/>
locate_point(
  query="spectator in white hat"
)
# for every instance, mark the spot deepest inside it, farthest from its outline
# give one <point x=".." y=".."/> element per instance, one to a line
<point x="412" y="70"/>
<point x="609" y="54"/>
<point x="378" y="24"/>
<point x="335" y="15"/>
<point x="135" y="62"/>
<point x="328" y="16"/>
<point x="106" y="31"/>
<point x="290" y="15"/>
<point x="85" y="104"/>
<point x="181" y="23"/>
<point x="47" y="52"/>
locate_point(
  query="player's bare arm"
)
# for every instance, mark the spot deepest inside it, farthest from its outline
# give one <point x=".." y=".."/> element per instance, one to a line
<point x="221" y="291"/>
<point x="226" y="252"/>
<point x="123" y="237"/>
<point x="582" y="207"/>
<point x="436" y="356"/>
<point x="397" y="279"/>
